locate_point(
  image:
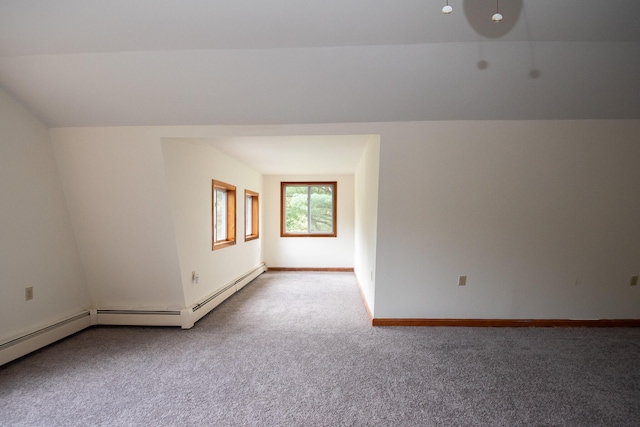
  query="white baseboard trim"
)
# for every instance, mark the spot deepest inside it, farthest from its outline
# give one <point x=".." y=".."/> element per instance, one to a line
<point x="32" y="341"/>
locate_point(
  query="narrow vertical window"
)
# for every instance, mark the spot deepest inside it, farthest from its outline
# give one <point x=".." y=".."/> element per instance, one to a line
<point x="224" y="215"/>
<point x="220" y="231"/>
<point x="251" y="215"/>
<point x="308" y="209"/>
<point x="248" y="222"/>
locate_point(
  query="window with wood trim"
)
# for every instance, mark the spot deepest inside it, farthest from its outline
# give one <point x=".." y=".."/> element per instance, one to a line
<point x="308" y="209"/>
<point x="251" y="215"/>
<point x="224" y="214"/>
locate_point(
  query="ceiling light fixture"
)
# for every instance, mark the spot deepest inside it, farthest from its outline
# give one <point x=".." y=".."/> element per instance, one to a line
<point x="447" y="9"/>
<point x="497" y="17"/>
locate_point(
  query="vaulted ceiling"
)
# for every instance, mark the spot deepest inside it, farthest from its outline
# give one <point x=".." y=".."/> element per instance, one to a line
<point x="205" y="62"/>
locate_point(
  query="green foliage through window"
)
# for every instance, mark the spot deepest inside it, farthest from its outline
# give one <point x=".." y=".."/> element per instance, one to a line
<point x="309" y="208"/>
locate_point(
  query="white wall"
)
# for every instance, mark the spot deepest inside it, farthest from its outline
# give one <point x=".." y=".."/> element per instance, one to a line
<point x="190" y="167"/>
<point x="37" y="247"/>
<point x="117" y="195"/>
<point x="366" y="214"/>
<point x="131" y="206"/>
<point x="543" y="218"/>
<point x="317" y="252"/>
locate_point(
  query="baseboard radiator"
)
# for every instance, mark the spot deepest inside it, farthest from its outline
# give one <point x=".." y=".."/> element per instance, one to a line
<point x="184" y="318"/>
<point x="21" y="345"/>
<point x="139" y="317"/>
<point x="199" y="310"/>
<point x="32" y="341"/>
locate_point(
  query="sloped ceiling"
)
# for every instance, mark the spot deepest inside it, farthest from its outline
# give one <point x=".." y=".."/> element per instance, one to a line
<point x="205" y="62"/>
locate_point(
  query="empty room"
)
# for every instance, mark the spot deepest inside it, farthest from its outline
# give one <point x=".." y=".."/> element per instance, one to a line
<point x="416" y="212"/>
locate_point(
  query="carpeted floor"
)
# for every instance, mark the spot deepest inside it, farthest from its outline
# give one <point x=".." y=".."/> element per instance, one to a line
<point x="296" y="349"/>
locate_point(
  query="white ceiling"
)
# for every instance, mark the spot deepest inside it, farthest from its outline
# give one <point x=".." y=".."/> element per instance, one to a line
<point x="39" y="27"/>
<point x="296" y="155"/>
<point x="202" y="62"/>
<point x="214" y="62"/>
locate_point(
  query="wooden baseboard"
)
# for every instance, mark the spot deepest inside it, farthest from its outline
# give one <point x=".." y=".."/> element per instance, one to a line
<point x="335" y="269"/>
<point x="511" y="323"/>
<point x="364" y="301"/>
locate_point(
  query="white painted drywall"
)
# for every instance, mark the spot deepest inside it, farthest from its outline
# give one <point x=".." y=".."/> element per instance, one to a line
<point x="133" y="231"/>
<point x="190" y="167"/>
<point x="317" y="252"/>
<point x="366" y="214"/>
<point x="543" y="218"/>
<point x="117" y="195"/>
<point x="37" y="246"/>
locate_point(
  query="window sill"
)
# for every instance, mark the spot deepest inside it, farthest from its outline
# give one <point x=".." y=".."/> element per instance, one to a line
<point x="308" y="235"/>
<point x="225" y="244"/>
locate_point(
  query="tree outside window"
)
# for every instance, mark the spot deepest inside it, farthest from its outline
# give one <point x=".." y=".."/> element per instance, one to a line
<point x="308" y="209"/>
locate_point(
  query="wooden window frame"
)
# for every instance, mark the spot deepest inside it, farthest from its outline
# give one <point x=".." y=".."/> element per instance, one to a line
<point x="283" y="186"/>
<point x="231" y="215"/>
<point x="255" y="215"/>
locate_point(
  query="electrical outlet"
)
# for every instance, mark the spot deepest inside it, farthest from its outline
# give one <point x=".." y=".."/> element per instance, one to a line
<point x="462" y="280"/>
<point x="634" y="280"/>
<point x="28" y="293"/>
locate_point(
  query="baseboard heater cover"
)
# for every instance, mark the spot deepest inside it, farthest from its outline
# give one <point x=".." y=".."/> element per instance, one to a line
<point x="510" y="323"/>
<point x="202" y="308"/>
<point x="141" y="312"/>
<point x="124" y="317"/>
<point x="24" y="344"/>
<point x="32" y="341"/>
<point x="212" y="297"/>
